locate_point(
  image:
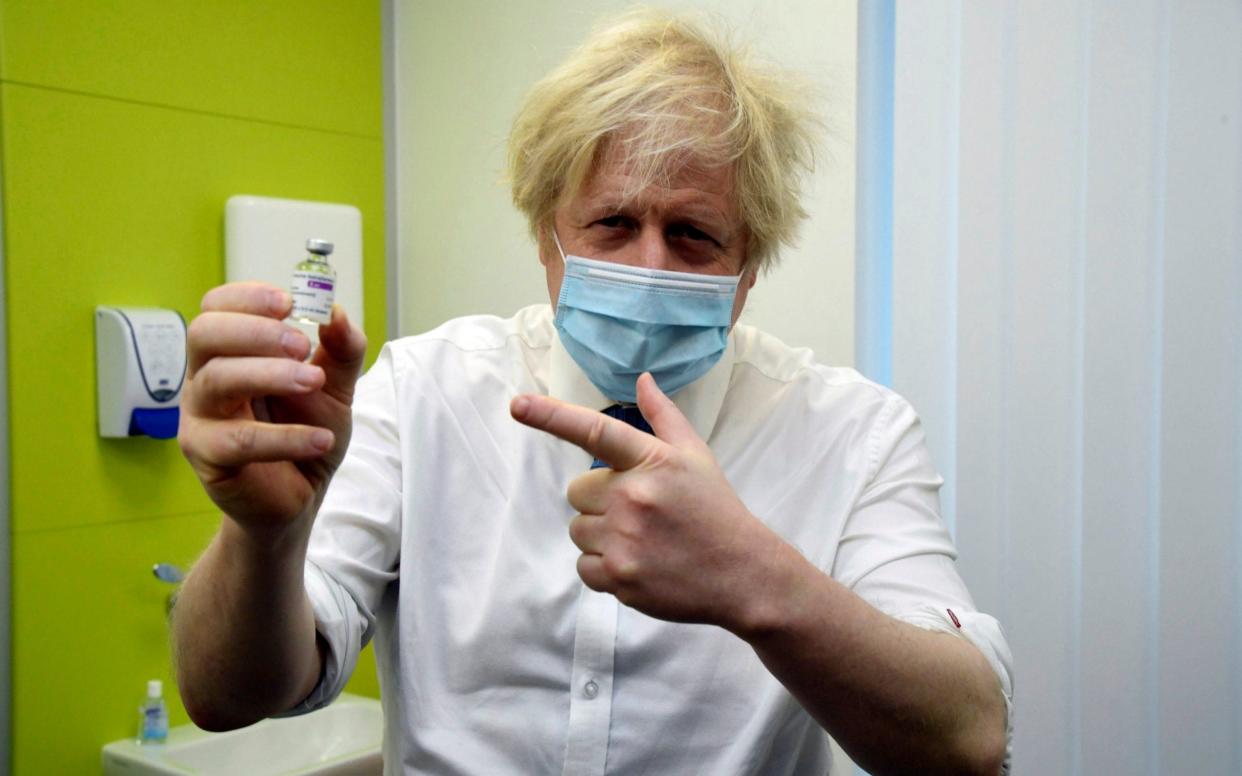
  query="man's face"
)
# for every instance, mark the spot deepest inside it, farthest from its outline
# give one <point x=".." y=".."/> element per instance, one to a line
<point x="691" y="226"/>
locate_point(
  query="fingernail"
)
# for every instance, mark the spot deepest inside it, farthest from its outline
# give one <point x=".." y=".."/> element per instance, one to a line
<point x="281" y="301"/>
<point x="293" y="342"/>
<point x="519" y="406"/>
<point x="306" y="376"/>
<point x="321" y="439"/>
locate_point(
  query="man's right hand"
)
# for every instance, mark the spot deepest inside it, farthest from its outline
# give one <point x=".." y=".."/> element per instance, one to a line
<point x="264" y="429"/>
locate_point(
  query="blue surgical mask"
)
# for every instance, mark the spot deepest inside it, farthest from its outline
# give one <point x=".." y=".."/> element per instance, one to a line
<point x="618" y="321"/>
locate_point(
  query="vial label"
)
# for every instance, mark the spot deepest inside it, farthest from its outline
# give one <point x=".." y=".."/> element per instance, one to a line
<point x="312" y="296"/>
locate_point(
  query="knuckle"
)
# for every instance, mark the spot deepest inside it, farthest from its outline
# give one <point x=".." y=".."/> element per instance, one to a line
<point x="289" y="371"/>
<point x="590" y="573"/>
<point x="595" y="434"/>
<point x="185" y="438"/>
<point x="627" y="595"/>
<point x="209" y="298"/>
<point x="621" y="567"/>
<point x="206" y="379"/>
<point x="198" y="329"/>
<point x="189" y="395"/>
<point x="209" y="382"/>
<point x="220" y="296"/>
<point x="272" y="334"/>
<point x="576" y="494"/>
<point x="244" y="438"/>
<point x="631" y="527"/>
<point x="252" y="334"/>
<point x="640" y="496"/>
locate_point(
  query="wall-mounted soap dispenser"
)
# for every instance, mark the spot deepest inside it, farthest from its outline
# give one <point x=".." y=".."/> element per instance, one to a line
<point x="140" y="362"/>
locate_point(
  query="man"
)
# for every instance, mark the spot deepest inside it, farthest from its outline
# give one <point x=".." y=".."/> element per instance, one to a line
<point x="703" y="583"/>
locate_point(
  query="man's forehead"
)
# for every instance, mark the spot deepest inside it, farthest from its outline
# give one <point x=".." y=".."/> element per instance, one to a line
<point x="685" y="183"/>
<point x="672" y="168"/>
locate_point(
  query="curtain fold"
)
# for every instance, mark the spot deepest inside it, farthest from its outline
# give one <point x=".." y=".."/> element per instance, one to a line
<point x="1067" y="277"/>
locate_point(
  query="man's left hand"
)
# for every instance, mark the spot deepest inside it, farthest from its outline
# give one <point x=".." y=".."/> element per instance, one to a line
<point x="662" y="530"/>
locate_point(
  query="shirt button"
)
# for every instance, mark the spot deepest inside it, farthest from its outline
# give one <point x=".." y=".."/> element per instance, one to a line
<point x="590" y="689"/>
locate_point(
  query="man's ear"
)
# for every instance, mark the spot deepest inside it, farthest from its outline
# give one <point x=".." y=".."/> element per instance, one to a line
<point x="543" y="243"/>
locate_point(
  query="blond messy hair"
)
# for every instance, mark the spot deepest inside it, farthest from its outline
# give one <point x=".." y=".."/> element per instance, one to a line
<point x="663" y="90"/>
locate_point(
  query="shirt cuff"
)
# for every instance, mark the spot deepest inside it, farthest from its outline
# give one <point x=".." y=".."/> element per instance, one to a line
<point x="342" y="627"/>
<point x="985" y="633"/>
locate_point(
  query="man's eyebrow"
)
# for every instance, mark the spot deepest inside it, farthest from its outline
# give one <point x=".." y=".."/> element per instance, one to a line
<point x="598" y="206"/>
<point x="701" y="212"/>
<point x="604" y="202"/>
<point x="704" y="212"/>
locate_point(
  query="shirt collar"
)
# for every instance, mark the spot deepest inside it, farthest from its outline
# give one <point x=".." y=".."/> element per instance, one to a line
<point x="699" y="401"/>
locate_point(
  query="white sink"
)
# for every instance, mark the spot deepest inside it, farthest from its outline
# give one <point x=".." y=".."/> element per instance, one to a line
<point x="340" y="740"/>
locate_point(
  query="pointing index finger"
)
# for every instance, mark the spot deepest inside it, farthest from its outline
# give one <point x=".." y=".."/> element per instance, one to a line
<point x="608" y="439"/>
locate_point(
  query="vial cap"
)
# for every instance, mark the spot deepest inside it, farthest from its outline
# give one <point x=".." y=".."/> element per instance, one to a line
<point x="155" y="688"/>
<point x="321" y="247"/>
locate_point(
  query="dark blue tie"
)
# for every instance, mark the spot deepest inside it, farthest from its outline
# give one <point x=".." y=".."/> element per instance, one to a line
<point x="629" y="415"/>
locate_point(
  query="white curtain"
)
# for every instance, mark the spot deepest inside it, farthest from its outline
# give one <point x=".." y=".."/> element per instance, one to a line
<point x="1067" y="317"/>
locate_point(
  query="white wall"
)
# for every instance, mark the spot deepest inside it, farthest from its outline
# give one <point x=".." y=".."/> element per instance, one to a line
<point x="461" y="70"/>
<point x="1067" y="247"/>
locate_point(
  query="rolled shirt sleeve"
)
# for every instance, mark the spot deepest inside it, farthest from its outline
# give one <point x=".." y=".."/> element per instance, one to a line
<point x="897" y="554"/>
<point x="344" y="626"/>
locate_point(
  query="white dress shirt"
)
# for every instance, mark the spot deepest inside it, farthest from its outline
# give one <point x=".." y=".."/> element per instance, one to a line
<point x="444" y="537"/>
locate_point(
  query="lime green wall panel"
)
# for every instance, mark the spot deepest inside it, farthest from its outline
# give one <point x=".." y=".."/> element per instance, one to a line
<point x="88" y="631"/>
<point x="311" y="63"/>
<point x="125" y="126"/>
<point x="116" y="203"/>
<point x="365" y="681"/>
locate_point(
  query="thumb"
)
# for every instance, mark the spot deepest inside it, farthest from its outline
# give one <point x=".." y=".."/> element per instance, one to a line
<point x="665" y="418"/>
<point x="342" y="349"/>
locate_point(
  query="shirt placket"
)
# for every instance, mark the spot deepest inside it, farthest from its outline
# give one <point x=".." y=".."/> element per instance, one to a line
<point x="590" y="690"/>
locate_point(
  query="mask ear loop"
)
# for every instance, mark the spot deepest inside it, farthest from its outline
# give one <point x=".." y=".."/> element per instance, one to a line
<point x="559" y="249"/>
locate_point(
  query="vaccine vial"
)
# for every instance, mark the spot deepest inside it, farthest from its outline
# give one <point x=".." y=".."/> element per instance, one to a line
<point x="314" y="284"/>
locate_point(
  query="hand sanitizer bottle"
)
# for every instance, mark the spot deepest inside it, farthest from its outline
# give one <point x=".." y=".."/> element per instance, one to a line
<point x="314" y="284"/>
<point x="153" y="715"/>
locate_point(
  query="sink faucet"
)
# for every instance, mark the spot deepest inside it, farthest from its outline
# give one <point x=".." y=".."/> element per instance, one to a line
<point x="167" y="572"/>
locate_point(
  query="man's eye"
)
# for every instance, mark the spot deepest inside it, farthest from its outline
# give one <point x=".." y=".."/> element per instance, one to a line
<point x="614" y="222"/>
<point x="688" y="232"/>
